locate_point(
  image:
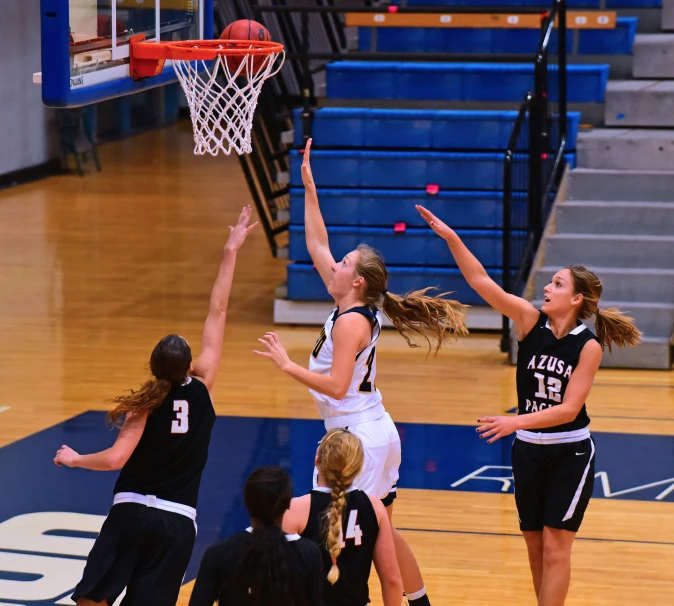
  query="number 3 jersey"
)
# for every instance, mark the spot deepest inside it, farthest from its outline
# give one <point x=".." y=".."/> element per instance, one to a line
<point x="172" y="452"/>
<point x="362" y="393"/>
<point x="544" y="366"/>
<point x="360" y="529"/>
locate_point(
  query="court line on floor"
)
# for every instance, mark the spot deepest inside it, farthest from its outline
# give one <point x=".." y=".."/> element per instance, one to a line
<point x="4" y="408"/>
<point x="509" y="534"/>
<point x="633" y="418"/>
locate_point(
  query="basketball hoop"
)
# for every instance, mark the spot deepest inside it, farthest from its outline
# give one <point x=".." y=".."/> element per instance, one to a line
<point x="222" y="80"/>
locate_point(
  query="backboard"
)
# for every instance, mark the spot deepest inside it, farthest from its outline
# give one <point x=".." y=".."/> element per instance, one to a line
<point x="85" y="44"/>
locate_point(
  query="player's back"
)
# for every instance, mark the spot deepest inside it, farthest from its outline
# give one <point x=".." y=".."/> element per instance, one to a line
<point x="360" y="529"/>
<point x="172" y="452"/>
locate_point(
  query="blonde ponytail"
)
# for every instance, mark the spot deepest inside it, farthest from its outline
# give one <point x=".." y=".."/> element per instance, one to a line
<point x="615" y="328"/>
<point x="611" y="325"/>
<point x="434" y="318"/>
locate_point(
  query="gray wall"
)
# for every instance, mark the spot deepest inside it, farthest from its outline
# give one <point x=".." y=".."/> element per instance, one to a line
<point x="25" y="123"/>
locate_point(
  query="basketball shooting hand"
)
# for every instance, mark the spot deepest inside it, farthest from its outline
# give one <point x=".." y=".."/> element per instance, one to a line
<point x="275" y="351"/>
<point x="440" y="228"/>
<point x="238" y="233"/>
<point x="307" y="175"/>
<point x="496" y="427"/>
<point x="66" y="456"/>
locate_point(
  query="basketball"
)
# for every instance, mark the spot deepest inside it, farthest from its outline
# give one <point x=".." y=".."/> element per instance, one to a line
<point x="245" y="29"/>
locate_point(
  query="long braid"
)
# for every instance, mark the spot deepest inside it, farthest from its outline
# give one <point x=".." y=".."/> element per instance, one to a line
<point x="335" y="515"/>
<point x="340" y="459"/>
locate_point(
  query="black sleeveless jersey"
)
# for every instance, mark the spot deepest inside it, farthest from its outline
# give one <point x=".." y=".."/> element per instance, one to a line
<point x="172" y="452"/>
<point x="359" y="535"/>
<point x="544" y="367"/>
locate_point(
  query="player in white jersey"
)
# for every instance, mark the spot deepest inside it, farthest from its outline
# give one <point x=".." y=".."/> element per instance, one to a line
<point x="343" y="364"/>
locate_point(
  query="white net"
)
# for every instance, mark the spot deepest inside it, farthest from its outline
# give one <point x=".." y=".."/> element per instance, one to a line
<point x="222" y="95"/>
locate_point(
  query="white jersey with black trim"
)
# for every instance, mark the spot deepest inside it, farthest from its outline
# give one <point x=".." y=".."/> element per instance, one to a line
<point x="362" y="393"/>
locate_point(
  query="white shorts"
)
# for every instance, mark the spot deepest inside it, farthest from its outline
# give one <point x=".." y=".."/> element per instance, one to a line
<point x="381" y="444"/>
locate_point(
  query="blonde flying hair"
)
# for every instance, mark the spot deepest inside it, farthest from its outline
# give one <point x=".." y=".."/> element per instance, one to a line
<point x="611" y="325"/>
<point x="434" y="318"/>
<point x="340" y="459"/>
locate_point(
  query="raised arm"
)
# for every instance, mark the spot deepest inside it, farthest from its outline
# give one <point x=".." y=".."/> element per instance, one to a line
<point x="519" y="310"/>
<point x="206" y="366"/>
<point x="314" y="228"/>
<point x="112" y="458"/>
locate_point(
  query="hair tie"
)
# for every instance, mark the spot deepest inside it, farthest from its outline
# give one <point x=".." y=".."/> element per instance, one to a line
<point x="334" y="561"/>
<point x="384" y="292"/>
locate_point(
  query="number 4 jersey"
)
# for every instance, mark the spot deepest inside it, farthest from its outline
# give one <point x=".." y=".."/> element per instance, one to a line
<point x="360" y="529"/>
<point x="544" y="367"/>
<point x="172" y="452"/>
<point x="362" y="393"/>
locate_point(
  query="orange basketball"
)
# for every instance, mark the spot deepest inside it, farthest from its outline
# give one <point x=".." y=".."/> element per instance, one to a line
<point x="245" y="29"/>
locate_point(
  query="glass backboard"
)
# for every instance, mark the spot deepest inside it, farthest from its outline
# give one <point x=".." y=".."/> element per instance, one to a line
<point x="85" y="44"/>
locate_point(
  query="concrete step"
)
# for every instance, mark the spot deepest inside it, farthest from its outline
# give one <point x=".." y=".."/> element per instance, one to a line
<point x="652" y="319"/>
<point x="620" y="284"/>
<point x="637" y="218"/>
<point x="621" y="185"/>
<point x="622" y="148"/>
<point x="650" y="353"/>
<point x="630" y="251"/>
<point x="653" y="56"/>
<point x="639" y="103"/>
<point x="667" y="15"/>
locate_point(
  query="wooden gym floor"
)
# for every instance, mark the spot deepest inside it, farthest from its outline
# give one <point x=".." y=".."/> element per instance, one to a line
<point x="93" y="271"/>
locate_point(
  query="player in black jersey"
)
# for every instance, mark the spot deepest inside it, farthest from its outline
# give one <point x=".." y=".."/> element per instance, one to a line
<point x="553" y="454"/>
<point x="146" y="541"/>
<point x="352" y="528"/>
<point x="262" y="566"/>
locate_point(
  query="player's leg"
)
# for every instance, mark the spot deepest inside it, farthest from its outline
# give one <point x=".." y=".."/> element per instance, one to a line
<point x="381" y="443"/>
<point x="556" y="566"/>
<point x="569" y="488"/>
<point x="413" y="581"/>
<point x="164" y="560"/>
<point x="112" y="559"/>
<point x="528" y="475"/>
<point x="534" y="541"/>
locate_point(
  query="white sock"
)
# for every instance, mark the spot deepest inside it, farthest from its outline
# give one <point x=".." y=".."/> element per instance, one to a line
<point x="417" y="594"/>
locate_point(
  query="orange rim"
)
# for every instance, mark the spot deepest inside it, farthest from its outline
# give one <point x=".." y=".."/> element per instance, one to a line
<point x="203" y="50"/>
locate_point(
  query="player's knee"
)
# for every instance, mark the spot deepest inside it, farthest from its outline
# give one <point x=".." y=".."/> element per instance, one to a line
<point x="555" y="554"/>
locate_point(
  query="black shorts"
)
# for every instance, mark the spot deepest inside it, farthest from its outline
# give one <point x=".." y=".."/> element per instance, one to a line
<point x="553" y="483"/>
<point x="142" y="549"/>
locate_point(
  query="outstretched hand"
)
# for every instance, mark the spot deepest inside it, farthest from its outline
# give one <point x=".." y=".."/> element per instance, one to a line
<point x="66" y="456"/>
<point x="496" y="427"/>
<point x="307" y="175"/>
<point x="275" y="351"/>
<point x="238" y="233"/>
<point x="440" y="228"/>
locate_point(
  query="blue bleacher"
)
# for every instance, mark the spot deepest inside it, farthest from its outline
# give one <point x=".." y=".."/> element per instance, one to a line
<point x="414" y="246"/>
<point x="616" y="41"/>
<point x="304" y="283"/>
<point x="410" y="170"/>
<point x="423" y="129"/>
<point x="386" y="207"/>
<point x="455" y="81"/>
<point x="596" y="4"/>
